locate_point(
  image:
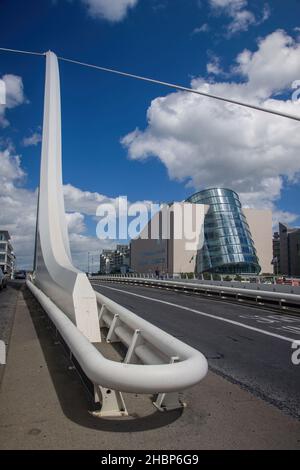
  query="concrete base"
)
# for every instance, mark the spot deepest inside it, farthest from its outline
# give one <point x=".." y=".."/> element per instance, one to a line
<point x="43" y="405"/>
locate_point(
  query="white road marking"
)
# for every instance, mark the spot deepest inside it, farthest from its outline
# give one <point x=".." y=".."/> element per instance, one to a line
<point x="286" y="324"/>
<point x="293" y="329"/>
<point x="209" y="315"/>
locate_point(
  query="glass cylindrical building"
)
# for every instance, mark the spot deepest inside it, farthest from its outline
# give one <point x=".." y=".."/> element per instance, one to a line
<point x="228" y="246"/>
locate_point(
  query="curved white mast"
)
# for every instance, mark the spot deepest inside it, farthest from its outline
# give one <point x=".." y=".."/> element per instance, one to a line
<point x="55" y="274"/>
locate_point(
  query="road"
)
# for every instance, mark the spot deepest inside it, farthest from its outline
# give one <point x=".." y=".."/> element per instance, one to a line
<point x="248" y="346"/>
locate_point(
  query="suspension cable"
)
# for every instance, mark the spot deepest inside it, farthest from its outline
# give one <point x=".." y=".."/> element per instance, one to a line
<point x="159" y="82"/>
<point x="5" y="49"/>
<point x="182" y="88"/>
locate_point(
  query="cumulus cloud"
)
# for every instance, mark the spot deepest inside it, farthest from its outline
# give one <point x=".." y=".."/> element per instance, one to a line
<point x="32" y="140"/>
<point x="75" y="221"/>
<point x="272" y="67"/>
<point x="111" y="10"/>
<point x="87" y="202"/>
<point x="18" y="207"/>
<point x="18" y="214"/>
<point x="241" y="16"/>
<point x="208" y="143"/>
<point x="204" y="28"/>
<point x="213" y="67"/>
<point x="77" y="200"/>
<point x="14" y="96"/>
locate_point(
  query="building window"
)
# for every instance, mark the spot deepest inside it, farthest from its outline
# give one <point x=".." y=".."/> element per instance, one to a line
<point x="228" y="246"/>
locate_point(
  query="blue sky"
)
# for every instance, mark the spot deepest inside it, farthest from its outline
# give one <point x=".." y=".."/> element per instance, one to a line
<point x="165" y="159"/>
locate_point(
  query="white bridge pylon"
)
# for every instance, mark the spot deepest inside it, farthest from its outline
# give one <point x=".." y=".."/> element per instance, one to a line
<point x="54" y="272"/>
<point x="155" y="362"/>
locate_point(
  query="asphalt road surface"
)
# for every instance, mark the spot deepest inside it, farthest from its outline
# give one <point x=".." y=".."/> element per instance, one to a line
<point x="248" y="346"/>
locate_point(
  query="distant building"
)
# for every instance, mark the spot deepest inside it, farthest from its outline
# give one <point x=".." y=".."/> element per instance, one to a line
<point x="7" y="257"/>
<point x="161" y="254"/>
<point x="276" y="253"/>
<point x="115" y="261"/>
<point x="106" y="261"/>
<point x="260" y="225"/>
<point x="122" y="258"/>
<point x="289" y="250"/>
<point x="236" y="240"/>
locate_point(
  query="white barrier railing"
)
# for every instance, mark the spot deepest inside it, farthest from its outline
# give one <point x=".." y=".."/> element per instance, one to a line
<point x="278" y="299"/>
<point x="155" y="363"/>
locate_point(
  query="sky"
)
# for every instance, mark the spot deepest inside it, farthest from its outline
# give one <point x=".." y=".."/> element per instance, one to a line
<point x="123" y="137"/>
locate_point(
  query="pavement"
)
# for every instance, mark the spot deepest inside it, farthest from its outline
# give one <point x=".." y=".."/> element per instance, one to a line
<point x="43" y="404"/>
<point x="8" y="302"/>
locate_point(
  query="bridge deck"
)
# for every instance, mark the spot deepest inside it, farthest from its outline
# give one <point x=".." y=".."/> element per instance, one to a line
<point x="43" y="405"/>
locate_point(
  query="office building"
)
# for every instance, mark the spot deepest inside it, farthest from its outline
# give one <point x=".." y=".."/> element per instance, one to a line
<point x="228" y="247"/>
<point x="276" y="253"/>
<point x="115" y="261"/>
<point x="164" y="252"/>
<point x="236" y="240"/>
<point x="289" y="250"/>
<point x="7" y="257"/>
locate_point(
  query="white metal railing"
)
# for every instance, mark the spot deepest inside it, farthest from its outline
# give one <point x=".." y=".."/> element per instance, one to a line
<point x="155" y="363"/>
<point x="258" y="279"/>
<point x="280" y="299"/>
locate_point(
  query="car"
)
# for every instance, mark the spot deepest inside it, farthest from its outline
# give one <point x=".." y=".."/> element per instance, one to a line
<point x="20" y="275"/>
<point x="3" y="279"/>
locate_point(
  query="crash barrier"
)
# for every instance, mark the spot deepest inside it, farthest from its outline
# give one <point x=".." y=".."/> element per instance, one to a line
<point x="155" y="362"/>
<point x="277" y="300"/>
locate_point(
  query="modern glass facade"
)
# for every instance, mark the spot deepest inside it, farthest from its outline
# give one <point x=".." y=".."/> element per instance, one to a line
<point x="228" y="246"/>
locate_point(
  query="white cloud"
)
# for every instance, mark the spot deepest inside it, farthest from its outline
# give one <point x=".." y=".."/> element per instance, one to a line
<point x="208" y="143"/>
<point x="267" y="71"/>
<point x="241" y="17"/>
<point x="266" y="13"/>
<point x="18" y="214"/>
<point x="241" y="21"/>
<point x="284" y="217"/>
<point x="18" y="207"/>
<point x="230" y="4"/>
<point x="14" y="96"/>
<point x="201" y="29"/>
<point x="111" y="10"/>
<point x="77" y="200"/>
<point x="82" y="244"/>
<point x="213" y="67"/>
<point x="75" y="221"/>
<point x="34" y="140"/>
<point x="87" y="202"/>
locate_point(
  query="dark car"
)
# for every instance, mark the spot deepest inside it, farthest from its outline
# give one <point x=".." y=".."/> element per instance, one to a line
<point x="20" y="275"/>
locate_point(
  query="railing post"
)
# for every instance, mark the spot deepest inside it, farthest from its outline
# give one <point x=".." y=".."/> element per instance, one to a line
<point x="112" y="401"/>
<point x="111" y="336"/>
<point x="136" y="341"/>
<point x="169" y="401"/>
<point x="101" y="313"/>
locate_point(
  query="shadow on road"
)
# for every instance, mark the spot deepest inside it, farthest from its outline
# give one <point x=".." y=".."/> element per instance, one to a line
<point x="74" y="399"/>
